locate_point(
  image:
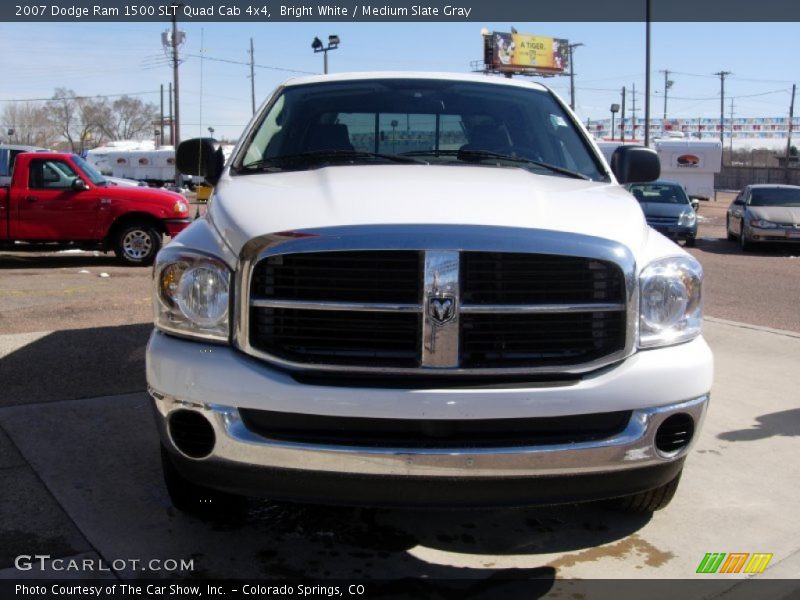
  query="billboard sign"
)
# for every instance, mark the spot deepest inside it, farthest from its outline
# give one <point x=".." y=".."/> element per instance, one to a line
<point x="517" y="51"/>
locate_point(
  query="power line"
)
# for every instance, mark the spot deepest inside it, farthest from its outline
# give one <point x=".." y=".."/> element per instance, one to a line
<point x="78" y="97"/>
<point x="239" y="62"/>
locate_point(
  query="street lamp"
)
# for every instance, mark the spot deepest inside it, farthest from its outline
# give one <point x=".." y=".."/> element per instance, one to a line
<point x="394" y="125"/>
<point x="614" y="111"/>
<point x="318" y="46"/>
<point x="572" y="76"/>
<point x="211" y="132"/>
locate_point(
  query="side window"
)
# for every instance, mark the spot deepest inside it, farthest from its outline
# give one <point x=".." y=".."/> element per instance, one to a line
<point x="50" y="174"/>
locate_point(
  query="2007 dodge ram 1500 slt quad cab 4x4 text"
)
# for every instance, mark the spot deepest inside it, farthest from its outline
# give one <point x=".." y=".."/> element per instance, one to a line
<point x="424" y="289"/>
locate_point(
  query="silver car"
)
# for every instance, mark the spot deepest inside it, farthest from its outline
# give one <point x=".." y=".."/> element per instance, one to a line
<point x="765" y="213"/>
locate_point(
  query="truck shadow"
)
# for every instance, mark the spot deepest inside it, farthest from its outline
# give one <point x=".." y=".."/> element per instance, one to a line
<point x="783" y="423"/>
<point x="76" y="363"/>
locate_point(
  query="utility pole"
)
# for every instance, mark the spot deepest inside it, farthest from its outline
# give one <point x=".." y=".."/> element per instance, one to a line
<point x="722" y="75"/>
<point x="633" y="112"/>
<point x="667" y="84"/>
<point x="161" y="120"/>
<point x="789" y="133"/>
<point x="252" y="78"/>
<point x="730" y="158"/>
<point x="647" y="76"/>
<point x="622" y="117"/>
<point x="572" y="76"/>
<point x="171" y="119"/>
<point x="177" y="123"/>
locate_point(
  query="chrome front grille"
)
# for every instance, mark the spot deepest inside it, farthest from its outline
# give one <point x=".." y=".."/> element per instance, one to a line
<point x="435" y="311"/>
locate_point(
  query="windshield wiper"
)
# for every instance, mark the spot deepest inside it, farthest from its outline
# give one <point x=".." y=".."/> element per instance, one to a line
<point x="476" y="155"/>
<point x="306" y="158"/>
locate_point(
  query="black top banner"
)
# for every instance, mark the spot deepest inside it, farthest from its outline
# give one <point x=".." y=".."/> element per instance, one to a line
<point x="401" y="10"/>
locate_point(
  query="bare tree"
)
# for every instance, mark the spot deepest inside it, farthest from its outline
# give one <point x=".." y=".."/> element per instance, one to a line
<point x="130" y="118"/>
<point x="29" y="124"/>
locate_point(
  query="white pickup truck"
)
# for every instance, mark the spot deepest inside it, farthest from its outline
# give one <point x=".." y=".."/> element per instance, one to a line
<point x="417" y="289"/>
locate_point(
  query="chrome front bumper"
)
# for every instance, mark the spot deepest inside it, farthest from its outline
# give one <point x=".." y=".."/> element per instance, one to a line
<point x="235" y="445"/>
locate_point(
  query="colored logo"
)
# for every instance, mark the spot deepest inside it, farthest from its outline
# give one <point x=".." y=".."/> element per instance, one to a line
<point x="688" y="160"/>
<point x="734" y="562"/>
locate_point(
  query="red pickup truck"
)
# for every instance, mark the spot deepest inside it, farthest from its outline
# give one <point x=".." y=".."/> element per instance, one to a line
<point x="60" y="201"/>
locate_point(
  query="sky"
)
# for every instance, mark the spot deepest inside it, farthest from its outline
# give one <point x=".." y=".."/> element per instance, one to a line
<point x="127" y="58"/>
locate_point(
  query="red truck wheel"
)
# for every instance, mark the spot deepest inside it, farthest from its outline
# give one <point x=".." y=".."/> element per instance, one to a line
<point x="137" y="244"/>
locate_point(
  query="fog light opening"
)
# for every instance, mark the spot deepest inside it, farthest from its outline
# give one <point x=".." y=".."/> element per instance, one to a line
<point x="191" y="433"/>
<point x="675" y="433"/>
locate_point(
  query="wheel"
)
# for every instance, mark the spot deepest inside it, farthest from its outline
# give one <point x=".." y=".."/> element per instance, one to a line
<point x="137" y="244"/>
<point x="743" y="241"/>
<point x="731" y="237"/>
<point x="649" y="501"/>
<point x="195" y="499"/>
<point x="690" y="242"/>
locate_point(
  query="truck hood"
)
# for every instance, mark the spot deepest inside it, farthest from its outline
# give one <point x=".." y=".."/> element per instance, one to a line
<point x="246" y="206"/>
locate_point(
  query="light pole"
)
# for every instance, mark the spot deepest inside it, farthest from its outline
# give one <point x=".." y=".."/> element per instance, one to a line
<point x="318" y="46"/>
<point x="211" y="132"/>
<point x="614" y="111"/>
<point x="394" y="125"/>
<point x="572" y="76"/>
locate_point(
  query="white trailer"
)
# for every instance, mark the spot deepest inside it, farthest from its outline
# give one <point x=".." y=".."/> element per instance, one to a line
<point x="692" y="163"/>
<point x="141" y="161"/>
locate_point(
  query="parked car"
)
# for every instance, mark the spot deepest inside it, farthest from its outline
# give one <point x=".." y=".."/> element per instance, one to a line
<point x="56" y="200"/>
<point x="764" y="213"/>
<point x="465" y="310"/>
<point x="667" y="209"/>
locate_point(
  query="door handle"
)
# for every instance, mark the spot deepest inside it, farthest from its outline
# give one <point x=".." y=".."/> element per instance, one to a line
<point x="30" y="199"/>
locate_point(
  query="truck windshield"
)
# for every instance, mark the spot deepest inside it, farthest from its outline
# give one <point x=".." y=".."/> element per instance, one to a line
<point x="418" y="121"/>
<point x="89" y="170"/>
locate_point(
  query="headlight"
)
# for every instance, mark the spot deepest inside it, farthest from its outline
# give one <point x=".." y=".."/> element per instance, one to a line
<point x="762" y="224"/>
<point x="671" y="302"/>
<point x="180" y="207"/>
<point x="191" y="295"/>
<point x="687" y="219"/>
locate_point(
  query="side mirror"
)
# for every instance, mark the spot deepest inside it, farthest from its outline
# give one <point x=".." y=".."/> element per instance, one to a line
<point x="79" y="185"/>
<point x="201" y="156"/>
<point x="635" y="164"/>
<point x="695" y="204"/>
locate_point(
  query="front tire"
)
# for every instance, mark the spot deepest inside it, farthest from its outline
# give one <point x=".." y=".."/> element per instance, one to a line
<point x="137" y="244"/>
<point x="744" y="243"/>
<point x="649" y="501"/>
<point x="690" y="242"/>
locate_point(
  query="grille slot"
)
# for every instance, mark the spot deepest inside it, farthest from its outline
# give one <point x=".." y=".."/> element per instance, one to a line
<point x="517" y="278"/>
<point x="539" y="340"/>
<point x="337" y="337"/>
<point x="375" y="276"/>
<point x="434" y="433"/>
